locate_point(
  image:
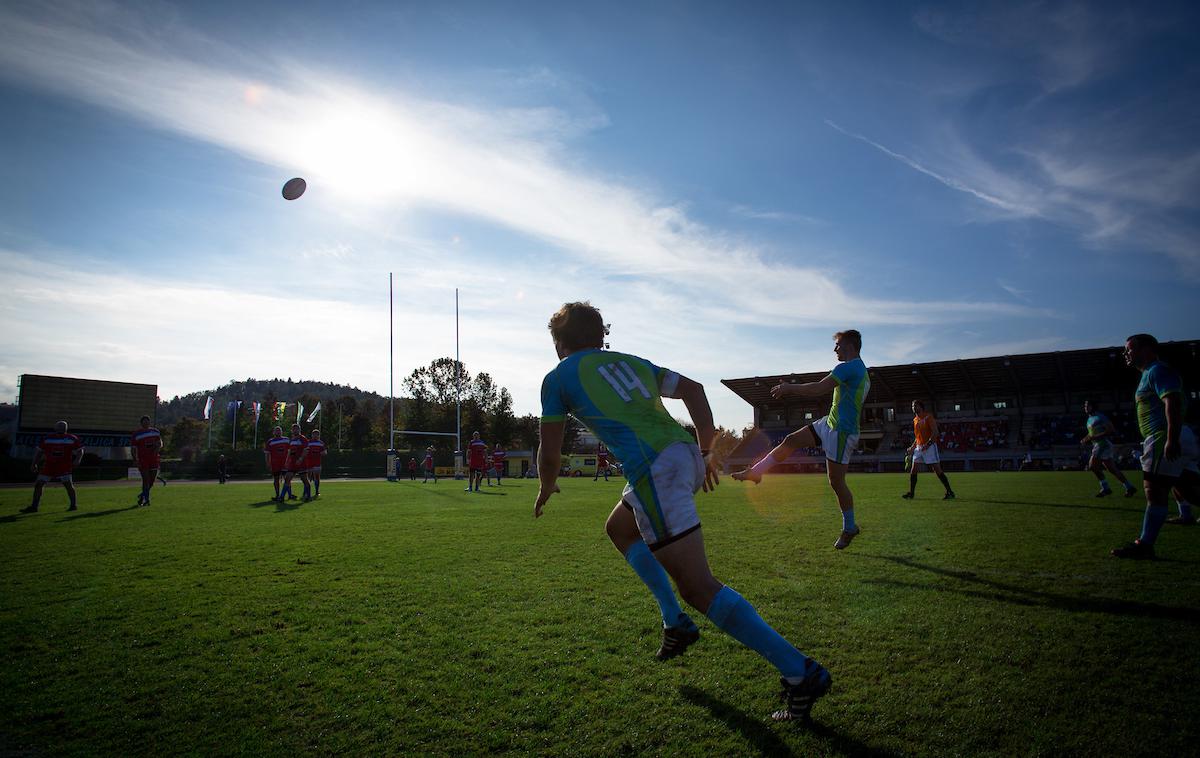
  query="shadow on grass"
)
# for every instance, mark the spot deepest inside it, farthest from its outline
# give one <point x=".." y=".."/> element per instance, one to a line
<point x="1135" y="504"/>
<point x="96" y="514"/>
<point x="1011" y="593"/>
<point x="262" y="503"/>
<point x="763" y="737"/>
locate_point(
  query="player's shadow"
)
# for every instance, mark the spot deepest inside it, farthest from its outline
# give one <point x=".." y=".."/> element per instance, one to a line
<point x="1135" y="505"/>
<point x="262" y="504"/>
<point x="95" y="514"/>
<point x="764" y="738"/>
<point x="1017" y="595"/>
<point x="289" y="505"/>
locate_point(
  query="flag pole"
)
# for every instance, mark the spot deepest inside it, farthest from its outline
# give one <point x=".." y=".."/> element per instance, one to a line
<point x="391" y="370"/>
<point x="457" y="389"/>
<point x="235" y="411"/>
<point x="255" y="429"/>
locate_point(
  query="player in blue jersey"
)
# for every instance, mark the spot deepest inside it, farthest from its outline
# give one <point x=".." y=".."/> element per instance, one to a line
<point x="836" y="434"/>
<point x="1100" y="434"/>
<point x="1169" y="454"/>
<point x="655" y="525"/>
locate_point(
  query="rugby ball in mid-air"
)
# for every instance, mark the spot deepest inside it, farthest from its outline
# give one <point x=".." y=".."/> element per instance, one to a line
<point x="294" y="188"/>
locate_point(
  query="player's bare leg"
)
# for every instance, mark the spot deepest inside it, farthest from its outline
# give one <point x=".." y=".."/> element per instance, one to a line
<point x="70" y="488"/>
<point x="148" y="477"/>
<point x="1098" y="471"/>
<point x="37" y="497"/>
<point x="836" y="472"/>
<point x="800" y="438"/>
<point x="937" y="470"/>
<point x="276" y="478"/>
<point x="316" y="483"/>
<point x="305" y="481"/>
<point x="1115" y="470"/>
<point x="803" y="680"/>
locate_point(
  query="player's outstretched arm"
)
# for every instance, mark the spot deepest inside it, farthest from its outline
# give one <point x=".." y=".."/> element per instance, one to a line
<point x="696" y="401"/>
<point x="549" y="461"/>
<point x="809" y="389"/>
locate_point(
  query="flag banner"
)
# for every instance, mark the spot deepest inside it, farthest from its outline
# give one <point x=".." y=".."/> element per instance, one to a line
<point x="256" y="408"/>
<point x="233" y="407"/>
<point x="280" y="410"/>
<point x="314" y="413"/>
<point x="208" y="408"/>
<point x="299" y="412"/>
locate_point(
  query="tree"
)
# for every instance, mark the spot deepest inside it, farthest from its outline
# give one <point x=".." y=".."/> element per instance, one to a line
<point x="361" y="426"/>
<point x="504" y="424"/>
<point x="527" y="431"/>
<point x="187" y="437"/>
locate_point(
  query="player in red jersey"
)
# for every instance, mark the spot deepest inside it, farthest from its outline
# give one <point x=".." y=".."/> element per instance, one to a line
<point x="412" y="469"/>
<point x="276" y="454"/>
<point x="498" y="456"/>
<point x="297" y="446"/>
<point x="476" y="461"/>
<point x="428" y="466"/>
<point x="146" y="445"/>
<point x="56" y="457"/>
<point x="316" y="452"/>
<point x="601" y="462"/>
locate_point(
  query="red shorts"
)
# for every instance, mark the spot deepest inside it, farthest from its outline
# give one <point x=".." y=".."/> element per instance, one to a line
<point x="278" y="468"/>
<point x="146" y="465"/>
<point x="297" y="467"/>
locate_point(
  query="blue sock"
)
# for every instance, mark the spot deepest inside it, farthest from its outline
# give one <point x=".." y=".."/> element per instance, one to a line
<point x="736" y="617"/>
<point x="848" y="520"/>
<point x="1185" y="509"/>
<point x="650" y="571"/>
<point x="306" y="490"/>
<point x="1104" y="485"/>
<point x="1152" y="522"/>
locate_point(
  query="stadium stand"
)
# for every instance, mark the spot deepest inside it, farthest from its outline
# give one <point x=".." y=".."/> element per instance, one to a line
<point x="991" y="411"/>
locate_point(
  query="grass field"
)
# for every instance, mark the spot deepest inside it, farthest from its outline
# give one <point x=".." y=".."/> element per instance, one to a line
<point x="403" y="618"/>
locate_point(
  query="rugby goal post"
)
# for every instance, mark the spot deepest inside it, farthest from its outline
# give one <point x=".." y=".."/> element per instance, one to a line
<point x="391" y="456"/>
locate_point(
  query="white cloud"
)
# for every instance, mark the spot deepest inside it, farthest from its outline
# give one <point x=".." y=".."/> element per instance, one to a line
<point x="685" y="294"/>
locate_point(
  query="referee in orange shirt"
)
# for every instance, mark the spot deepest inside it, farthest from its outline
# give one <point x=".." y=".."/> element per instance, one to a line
<point x="924" y="449"/>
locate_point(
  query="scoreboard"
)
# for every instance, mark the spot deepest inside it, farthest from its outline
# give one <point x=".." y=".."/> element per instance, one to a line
<point x="88" y="406"/>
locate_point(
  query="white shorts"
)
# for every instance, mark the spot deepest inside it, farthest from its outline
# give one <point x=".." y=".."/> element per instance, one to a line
<point x="837" y="445"/>
<point x="927" y="455"/>
<point x="1102" y="451"/>
<point x="1155" y="463"/>
<point x="664" y="501"/>
<point x="64" y="478"/>
<point x="314" y="470"/>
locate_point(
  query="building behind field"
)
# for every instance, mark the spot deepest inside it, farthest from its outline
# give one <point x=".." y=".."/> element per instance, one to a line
<point x="102" y="413"/>
<point x="993" y="412"/>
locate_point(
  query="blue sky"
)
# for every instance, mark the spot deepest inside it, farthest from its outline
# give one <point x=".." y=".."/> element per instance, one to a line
<point x="730" y="185"/>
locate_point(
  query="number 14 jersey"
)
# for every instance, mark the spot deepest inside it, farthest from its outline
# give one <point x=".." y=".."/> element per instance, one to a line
<point x="619" y="398"/>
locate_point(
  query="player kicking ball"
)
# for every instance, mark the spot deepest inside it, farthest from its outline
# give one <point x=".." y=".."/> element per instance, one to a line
<point x="1100" y="433"/>
<point x="836" y="434"/>
<point x="655" y="525"/>
<point x="924" y="449"/>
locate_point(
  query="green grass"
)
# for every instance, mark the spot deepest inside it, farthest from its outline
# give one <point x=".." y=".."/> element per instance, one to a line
<point x="404" y="618"/>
